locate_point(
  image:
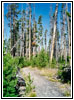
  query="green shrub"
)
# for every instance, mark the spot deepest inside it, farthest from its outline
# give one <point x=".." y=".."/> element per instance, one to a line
<point x="60" y="70"/>
<point x="16" y="61"/>
<point x="29" y="82"/>
<point x="61" y="60"/>
<point x="64" y="73"/>
<point x="68" y="59"/>
<point x="34" y="61"/>
<point x="27" y="62"/>
<point x="53" y="64"/>
<point x="42" y="59"/>
<point x="21" y="65"/>
<point x="59" y="73"/>
<point x="21" y="60"/>
<point x="24" y="62"/>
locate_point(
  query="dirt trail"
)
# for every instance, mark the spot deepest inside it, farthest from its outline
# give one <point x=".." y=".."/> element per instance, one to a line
<point x="43" y="87"/>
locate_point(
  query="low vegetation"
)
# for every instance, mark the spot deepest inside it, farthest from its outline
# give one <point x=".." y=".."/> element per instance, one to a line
<point x="10" y="80"/>
<point x="32" y="94"/>
<point x="29" y="86"/>
<point x="42" y="61"/>
<point x="9" y="74"/>
<point x="67" y="94"/>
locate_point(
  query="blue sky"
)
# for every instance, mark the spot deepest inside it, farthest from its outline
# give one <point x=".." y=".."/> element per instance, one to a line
<point x="40" y="9"/>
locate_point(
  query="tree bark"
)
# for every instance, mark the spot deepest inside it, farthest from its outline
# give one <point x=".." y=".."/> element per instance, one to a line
<point x="54" y="34"/>
<point x="10" y="32"/>
<point x="64" y="42"/>
<point x="22" y="33"/>
<point x="14" y="35"/>
<point x="34" y="39"/>
<point x="69" y="34"/>
<point x="34" y="33"/>
<point x="30" y="32"/>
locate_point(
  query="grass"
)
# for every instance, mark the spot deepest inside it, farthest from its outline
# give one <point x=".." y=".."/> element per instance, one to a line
<point x="53" y="80"/>
<point x="46" y="71"/>
<point x="64" y="88"/>
<point x="67" y="94"/>
<point x="32" y="94"/>
<point x="49" y="73"/>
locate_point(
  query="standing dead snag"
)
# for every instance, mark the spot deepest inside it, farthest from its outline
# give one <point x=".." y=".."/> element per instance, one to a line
<point x="64" y="34"/>
<point x="29" y="31"/>
<point x="22" y="30"/>
<point x="69" y="33"/>
<point x="34" y="34"/>
<point x="54" y="34"/>
<point x="26" y="31"/>
<point x="46" y="39"/>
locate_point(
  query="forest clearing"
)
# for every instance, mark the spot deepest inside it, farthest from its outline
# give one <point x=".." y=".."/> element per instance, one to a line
<point x="37" y="49"/>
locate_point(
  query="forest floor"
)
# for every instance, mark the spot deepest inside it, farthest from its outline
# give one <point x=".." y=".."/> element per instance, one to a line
<point x="45" y="85"/>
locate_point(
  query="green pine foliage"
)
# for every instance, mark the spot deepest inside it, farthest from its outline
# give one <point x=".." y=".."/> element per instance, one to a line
<point x="40" y="60"/>
<point x="23" y="62"/>
<point x="68" y="14"/>
<point x="9" y="80"/>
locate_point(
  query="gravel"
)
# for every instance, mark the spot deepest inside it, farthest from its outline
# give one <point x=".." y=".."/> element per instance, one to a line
<point x="43" y="87"/>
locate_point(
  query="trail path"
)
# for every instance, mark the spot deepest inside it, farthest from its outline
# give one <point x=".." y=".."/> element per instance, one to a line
<point x="43" y="87"/>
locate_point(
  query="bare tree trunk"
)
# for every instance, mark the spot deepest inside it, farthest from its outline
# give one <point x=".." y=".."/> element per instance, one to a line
<point x="26" y="31"/>
<point x="26" y="43"/>
<point x="46" y="46"/>
<point x="39" y="49"/>
<point x="61" y="51"/>
<point x="14" y="35"/>
<point x="39" y="46"/>
<point x="64" y="41"/>
<point x="34" y="38"/>
<point x="30" y="32"/>
<point x="16" y="43"/>
<point x="65" y="51"/>
<point x="56" y="50"/>
<point x="10" y="32"/>
<point x="20" y="48"/>
<point x="70" y="43"/>
<point x="54" y="34"/>
<point x="51" y="28"/>
<point x="46" y="40"/>
<point x="22" y="33"/>
<point x="42" y="40"/>
<point x="63" y="36"/>
<point x="69" y="33"/>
